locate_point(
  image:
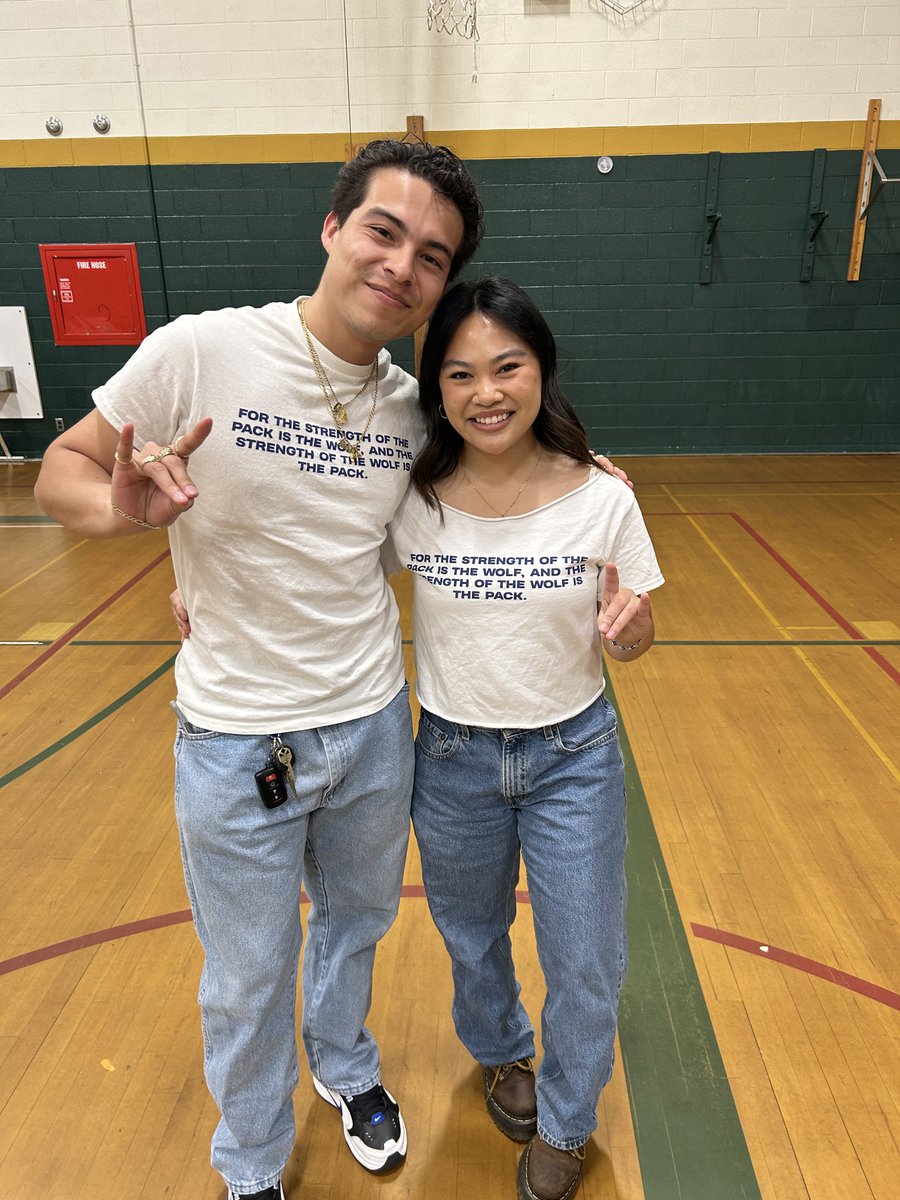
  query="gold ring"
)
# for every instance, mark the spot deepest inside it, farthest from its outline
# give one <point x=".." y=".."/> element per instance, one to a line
<point x="149" y="459"/>
<point x="124" y="461"/>
<point x="164" y="453"/>
<point x="175" y="449"/>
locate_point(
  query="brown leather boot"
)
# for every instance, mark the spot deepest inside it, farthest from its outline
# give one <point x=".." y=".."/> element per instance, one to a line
<point x="510" y="1099"/>
<point x="546" y="1173"/>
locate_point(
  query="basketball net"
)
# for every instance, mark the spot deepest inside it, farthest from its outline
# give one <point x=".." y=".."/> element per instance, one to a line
<point x="460" y="17"/>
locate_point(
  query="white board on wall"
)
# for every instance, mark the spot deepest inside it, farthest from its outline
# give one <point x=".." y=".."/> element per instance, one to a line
<point x="15" y="351"/>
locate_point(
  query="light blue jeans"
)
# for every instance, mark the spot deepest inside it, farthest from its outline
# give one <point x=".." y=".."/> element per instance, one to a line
<point x="557" y="794"/>
<point x="345" y="837"/>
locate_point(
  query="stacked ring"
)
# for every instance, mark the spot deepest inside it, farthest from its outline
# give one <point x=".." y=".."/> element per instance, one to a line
<point x="168" y="449"/>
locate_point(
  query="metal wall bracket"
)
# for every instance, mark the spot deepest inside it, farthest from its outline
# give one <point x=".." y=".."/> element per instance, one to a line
<point x="816" y="217"/>
<point x="870" y="195"/>
<point x="713" y="216"/>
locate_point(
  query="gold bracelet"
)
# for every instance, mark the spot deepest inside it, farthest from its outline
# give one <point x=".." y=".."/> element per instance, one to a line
<point x="135" y="520"/>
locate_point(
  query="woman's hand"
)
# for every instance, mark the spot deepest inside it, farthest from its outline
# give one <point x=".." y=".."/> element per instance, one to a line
<point x="180" y="613"/>
<point x="625" y="621"/>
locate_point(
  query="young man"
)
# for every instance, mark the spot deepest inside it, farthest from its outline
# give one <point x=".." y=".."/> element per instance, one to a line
<point x="295" y="661"/>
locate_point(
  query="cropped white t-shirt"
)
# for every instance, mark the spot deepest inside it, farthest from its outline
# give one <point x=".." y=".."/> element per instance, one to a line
<point x="293" y="624"/>
<point x="506" y="607"/>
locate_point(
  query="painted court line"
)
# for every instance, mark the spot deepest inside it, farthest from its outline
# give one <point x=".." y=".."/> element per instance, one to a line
<point x="76" y="733"/>
<point x="848" y="627"/>
<point x="67" y="637"/>
<point x="837" y="617"/>
<point x="787" y="958"/>
<point x="12" y="587"/>
<point x="770" y="616"/>
<point x="58" y="949"/>
<point x="736" y="941"/>
<point x="687" y="1130"/>
<point x="93" y="643"/>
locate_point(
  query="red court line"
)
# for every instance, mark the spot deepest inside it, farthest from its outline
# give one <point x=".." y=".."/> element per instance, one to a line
<point x="788" y="959"/>
<point x="846" y="625"/>
<point x="92" y="939"/>
<point x="58" y="949"/>
<point x="76" y="629"/>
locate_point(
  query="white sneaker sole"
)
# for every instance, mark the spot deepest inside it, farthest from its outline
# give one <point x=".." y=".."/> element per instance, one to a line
<point x="372" y="1160"/>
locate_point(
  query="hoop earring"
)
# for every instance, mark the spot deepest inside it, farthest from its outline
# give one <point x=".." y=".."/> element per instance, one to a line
<point x="442" y="414"/>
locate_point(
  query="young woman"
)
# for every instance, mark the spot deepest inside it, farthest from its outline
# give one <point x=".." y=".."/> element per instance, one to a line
<point x="526" y="558"/>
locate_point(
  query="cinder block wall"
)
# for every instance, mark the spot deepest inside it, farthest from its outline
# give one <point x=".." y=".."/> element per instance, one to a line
<point x="753" y="361"/>
<point x="654" y="360"/>
<point x="243" y="111"/>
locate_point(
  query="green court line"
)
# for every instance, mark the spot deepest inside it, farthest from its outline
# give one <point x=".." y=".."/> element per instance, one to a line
<point x="94" y="642"/>
<point x="408" y="642"/>
<point x="689" y="1138"/>
<point x="129" y="642"/>
<point x="34" y="519"/>
<point x="24" y="767"/>
<point x="852" y="642"/>
<point x="788" y="645"/>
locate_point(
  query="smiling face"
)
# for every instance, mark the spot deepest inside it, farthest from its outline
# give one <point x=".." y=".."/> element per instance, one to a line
<point x="387" y="265"/>
<point x="491" y="387"/>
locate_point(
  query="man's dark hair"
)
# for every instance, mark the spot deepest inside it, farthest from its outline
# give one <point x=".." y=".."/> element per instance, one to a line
<point x="447" y="174"/>
<point x="556" y="425"/>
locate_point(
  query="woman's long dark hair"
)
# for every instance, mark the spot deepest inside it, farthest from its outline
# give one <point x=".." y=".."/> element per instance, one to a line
<point x="556" y="426"/>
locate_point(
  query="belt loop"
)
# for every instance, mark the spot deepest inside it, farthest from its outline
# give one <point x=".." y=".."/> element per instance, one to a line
<point x="550" y="732"/>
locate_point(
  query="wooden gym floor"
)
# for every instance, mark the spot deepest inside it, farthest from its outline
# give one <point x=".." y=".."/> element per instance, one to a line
<point x="758" y="1031"/>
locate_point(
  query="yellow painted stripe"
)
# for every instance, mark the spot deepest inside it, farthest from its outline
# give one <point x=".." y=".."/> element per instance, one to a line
<point x="733" y="571"/>
<point x="472" y="144"/>
<point x="783" y="632"/>
<point x="25" y="578"/>
<point x="839" y="703"/>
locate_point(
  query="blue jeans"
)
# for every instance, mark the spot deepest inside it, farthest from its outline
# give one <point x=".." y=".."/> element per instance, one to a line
<point x="344" y="836"/>
<point x="557" y="794"/>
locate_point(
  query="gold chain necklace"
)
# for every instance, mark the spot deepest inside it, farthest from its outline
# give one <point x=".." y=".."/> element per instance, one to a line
<point x="338" y="411"/>
<point x="471" y="484"/>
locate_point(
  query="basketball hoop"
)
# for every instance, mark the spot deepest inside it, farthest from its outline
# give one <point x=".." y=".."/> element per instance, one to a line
<point x="457" y="17"/>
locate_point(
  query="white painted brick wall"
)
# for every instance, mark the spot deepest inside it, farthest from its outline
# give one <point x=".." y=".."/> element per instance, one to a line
<point x="237" y="66"/>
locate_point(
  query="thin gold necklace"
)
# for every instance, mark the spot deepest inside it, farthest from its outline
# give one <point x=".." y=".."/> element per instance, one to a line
<point x="338" y="411"/>
<point x="471" y="484"/>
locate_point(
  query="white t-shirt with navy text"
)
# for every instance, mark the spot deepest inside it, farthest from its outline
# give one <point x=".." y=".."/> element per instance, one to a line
<point x="506" y="607"/>
<point x="293" y="624"/>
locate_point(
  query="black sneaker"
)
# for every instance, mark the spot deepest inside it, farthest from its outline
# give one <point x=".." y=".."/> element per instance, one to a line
<point x="269" y="1193"/>
<point x="373" y="1127"/>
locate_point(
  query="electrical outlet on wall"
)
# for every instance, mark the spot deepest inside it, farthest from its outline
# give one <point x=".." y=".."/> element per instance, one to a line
<point x="60" y="424"/>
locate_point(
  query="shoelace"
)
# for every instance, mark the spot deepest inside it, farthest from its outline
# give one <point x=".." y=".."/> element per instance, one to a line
<point x="501" y="1072"/>
<point x="372" y="1104"/>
